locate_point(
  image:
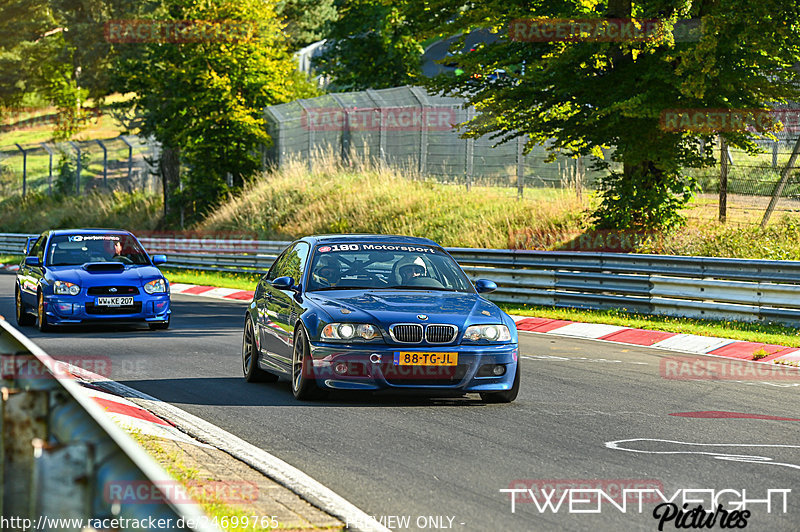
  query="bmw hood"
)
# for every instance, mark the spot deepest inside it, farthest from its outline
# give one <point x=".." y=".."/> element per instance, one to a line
<point x="132" y="275"/>
<point x="387" y="307"/>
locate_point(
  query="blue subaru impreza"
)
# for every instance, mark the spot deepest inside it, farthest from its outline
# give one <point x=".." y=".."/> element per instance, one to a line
<point x="369" y="312"/>
<point x="90" y="275"/>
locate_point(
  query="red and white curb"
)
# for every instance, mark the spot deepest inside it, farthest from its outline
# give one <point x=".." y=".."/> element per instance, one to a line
<point x="210" y="291"/>
<point x="162" y="419"/>
<point x="688" y="343"/>
<point x="125" y="413"/>
<point x="9" y="267"/>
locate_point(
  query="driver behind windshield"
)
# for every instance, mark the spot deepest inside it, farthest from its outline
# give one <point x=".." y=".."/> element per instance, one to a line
<point x="416" y="268"/>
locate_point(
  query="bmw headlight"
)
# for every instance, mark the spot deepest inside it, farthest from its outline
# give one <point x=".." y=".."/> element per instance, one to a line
<point x="487" y="333"/>
<point x="350" y="331"/>
<point x="64" y="288"/>
<point x="159" y="286"/>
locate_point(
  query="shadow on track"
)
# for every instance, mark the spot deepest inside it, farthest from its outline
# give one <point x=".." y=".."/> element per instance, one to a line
<point x="229" y="391"/>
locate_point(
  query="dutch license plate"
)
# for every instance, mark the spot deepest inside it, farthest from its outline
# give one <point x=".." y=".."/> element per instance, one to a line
<point x="417" y="358"/>
<point x="114" y="301"/>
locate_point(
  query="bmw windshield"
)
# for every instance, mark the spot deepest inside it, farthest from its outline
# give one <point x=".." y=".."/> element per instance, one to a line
<point x="78" y="249"/>
<point x="376" y="266"/>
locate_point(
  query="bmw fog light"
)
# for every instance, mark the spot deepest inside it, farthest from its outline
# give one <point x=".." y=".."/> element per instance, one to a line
<point x="499" y="370"/>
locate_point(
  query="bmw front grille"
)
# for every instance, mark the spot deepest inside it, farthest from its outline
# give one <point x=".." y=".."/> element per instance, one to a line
<point x="413" y="333"/>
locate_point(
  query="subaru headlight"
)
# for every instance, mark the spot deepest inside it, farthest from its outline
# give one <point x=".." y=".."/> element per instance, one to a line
<point x="64" y="288"/>
<point x="159" y="286"/>
<point x="487" y="333"/>
<point x="350" y="331"/>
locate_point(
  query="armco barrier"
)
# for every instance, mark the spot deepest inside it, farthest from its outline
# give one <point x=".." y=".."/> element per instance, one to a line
<point x="703" y="287"/>
<point x="59" y="450"/>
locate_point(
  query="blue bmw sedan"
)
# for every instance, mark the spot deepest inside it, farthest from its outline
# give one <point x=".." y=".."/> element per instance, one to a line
<point x="78" y="276"/>
<point x="374" y="312"/>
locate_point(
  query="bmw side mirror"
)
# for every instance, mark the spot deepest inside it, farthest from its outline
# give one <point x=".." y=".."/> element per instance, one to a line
<point x="284" y="283"/>
<point x="159" y="259"/>
<point x="32" y="261"/>
<point x="484" y="286"/>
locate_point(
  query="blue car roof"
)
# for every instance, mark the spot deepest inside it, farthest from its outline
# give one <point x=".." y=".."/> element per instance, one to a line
<point x="392" y="239"/>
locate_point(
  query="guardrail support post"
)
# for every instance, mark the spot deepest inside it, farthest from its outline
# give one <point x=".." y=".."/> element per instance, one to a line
<point x="61" y="486"/>
<point x="24" y="414"/>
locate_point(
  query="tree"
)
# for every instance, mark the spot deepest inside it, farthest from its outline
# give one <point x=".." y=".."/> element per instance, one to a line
<point x="50" y="52"/>
<point x="372" y="46"/>
<point x="202" y="94"/>
<point x="588" y="95"/>
<point x="306" y="21"/>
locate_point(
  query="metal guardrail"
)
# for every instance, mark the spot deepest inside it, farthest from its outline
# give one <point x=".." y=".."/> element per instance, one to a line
<point x="703" y="287"/>
<point x="61" y="451"/>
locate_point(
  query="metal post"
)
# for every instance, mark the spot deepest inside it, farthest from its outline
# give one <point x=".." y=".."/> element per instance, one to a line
<point x="24" y="168"/>
<point x="345" y="140"/>
<point x="774" y="154"/>
<point x="723" y="180"/>
<point x="782" y="183"/>
<point x="105" y="163"/>
<point x="59" y="486"/>
<point x="520" y="167"/>
<point x="49" y="169"/>
<point x="425" y="111"/>
<point x="375" y="97"/>
<point x="24" y="415"/>
<point x="469" y="163"/>
<point x="78" y="171"/>
<point x="130" y="157"/>
<point x="310" y="131"/>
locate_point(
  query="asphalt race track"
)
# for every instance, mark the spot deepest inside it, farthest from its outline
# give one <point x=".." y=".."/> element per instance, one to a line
<point x="442" y="462"/>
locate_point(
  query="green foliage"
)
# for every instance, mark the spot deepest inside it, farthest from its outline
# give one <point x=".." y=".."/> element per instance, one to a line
<point x="306" y="21"/>
<point x="53" y="52"/>
<point x="590" y="95"/>
<point x="372" y="46"/>
<point x="205" y="99"/>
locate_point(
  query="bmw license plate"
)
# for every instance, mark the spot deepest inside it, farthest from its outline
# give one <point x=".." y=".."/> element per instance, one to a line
<point x="417" y="358"/>
<point x="114" y="301"/>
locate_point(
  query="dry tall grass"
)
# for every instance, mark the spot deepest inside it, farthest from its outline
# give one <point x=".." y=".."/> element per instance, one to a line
<point x="38" y="212"/>
<point x="329" y="198"/>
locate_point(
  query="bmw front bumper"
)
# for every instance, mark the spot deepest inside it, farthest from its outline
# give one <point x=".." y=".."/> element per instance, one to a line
<point x="377" y="367"/>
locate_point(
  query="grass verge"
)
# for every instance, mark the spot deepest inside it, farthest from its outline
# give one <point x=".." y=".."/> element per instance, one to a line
<point x="768" y="333"/>
<point x="239" y="281"/>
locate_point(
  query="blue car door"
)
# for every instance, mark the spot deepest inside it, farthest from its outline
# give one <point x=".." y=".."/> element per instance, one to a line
<point x="29" y="276"/>
<point x="281" y="308"/>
